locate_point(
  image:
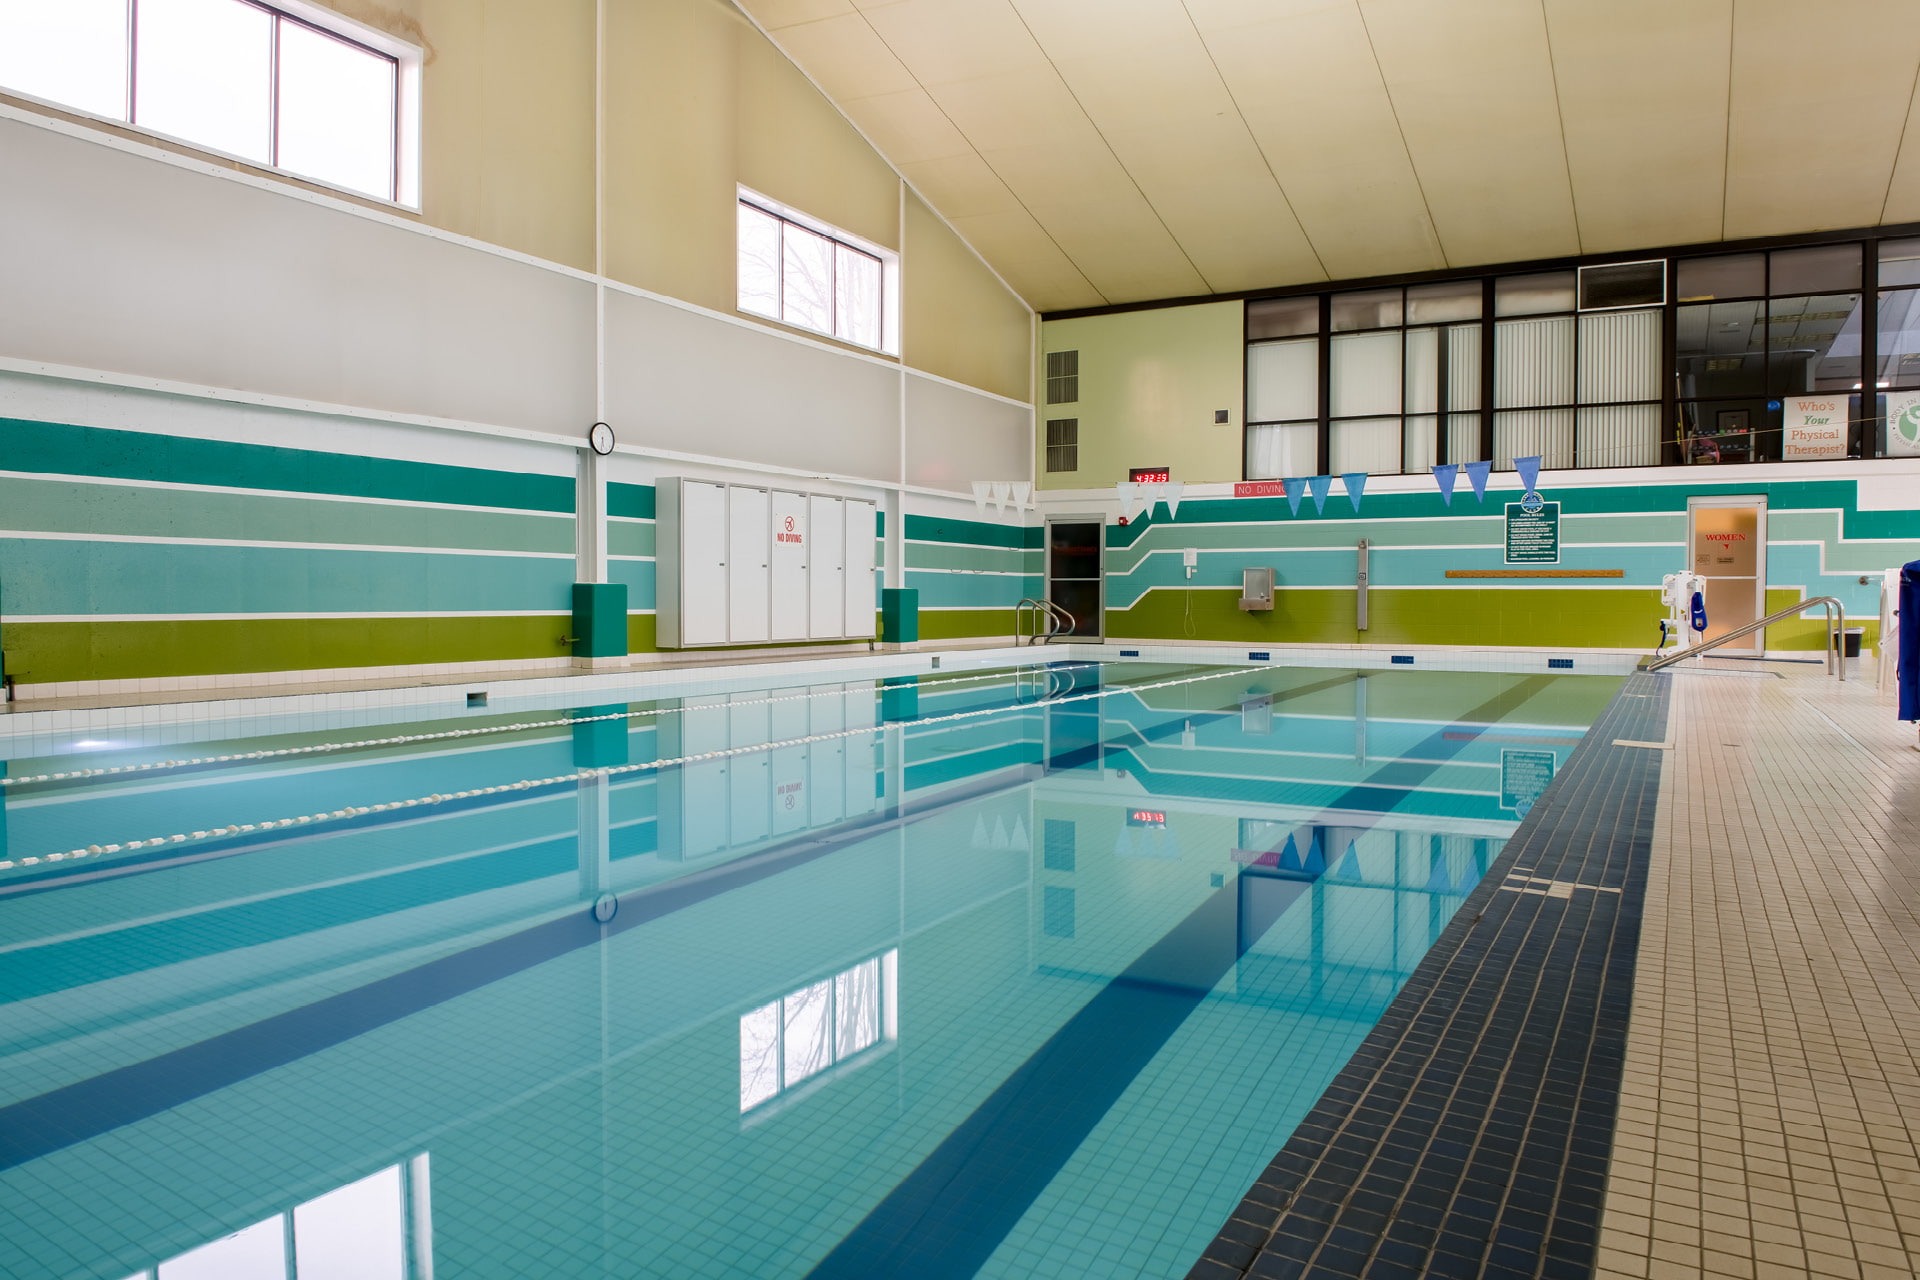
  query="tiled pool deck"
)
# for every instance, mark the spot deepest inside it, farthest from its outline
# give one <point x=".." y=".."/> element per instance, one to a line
<point x="1661" y="1040"/>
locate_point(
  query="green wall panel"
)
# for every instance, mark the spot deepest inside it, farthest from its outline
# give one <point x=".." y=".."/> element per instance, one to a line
<point x="957" y="624"/>
<point x="46" y="652"/>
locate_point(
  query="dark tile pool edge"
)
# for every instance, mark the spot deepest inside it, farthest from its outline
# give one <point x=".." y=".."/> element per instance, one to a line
<point x="1470" y="1133"/>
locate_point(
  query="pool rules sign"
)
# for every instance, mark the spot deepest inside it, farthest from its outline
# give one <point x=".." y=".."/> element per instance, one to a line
<point x="1533" y="531"/>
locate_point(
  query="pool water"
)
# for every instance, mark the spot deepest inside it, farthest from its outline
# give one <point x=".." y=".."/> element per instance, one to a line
<point x="1011" y="972"/>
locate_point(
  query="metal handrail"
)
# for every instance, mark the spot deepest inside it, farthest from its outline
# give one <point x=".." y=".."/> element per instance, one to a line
<point x="1836" y="635"/>
<point x="1056" y="619"/>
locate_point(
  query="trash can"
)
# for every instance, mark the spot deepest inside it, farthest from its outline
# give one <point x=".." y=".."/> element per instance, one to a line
<point x="1853" y="641"/>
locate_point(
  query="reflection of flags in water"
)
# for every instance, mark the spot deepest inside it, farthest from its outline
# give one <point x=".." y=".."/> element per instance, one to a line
<point x="1348" y="868"/>
<point x="1000" y="836"/>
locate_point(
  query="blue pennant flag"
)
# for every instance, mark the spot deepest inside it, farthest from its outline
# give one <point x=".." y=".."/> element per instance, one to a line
<point x="1529" y="469"/>
<point x="1320" y="487"/>
<point x="1477" y="474"/>
<point x="1296" y="490"/>
<point x="1444" y="474"/>
<point x="1355" y="482"/>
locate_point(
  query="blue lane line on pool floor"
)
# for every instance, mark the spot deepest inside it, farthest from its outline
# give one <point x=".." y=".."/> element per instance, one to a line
<point x="946" y="1218"/>
<point x="1470" y="1134"/>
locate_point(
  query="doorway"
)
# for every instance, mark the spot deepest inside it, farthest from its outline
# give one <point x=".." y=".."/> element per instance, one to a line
<point x="1076" y="578"/>
<point x="1727" y="545"/>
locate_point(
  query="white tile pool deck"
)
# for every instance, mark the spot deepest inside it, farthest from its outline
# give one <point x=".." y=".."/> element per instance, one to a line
<point x="1770" y="1114"/>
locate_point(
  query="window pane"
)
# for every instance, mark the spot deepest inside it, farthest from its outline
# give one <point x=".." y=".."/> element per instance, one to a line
<point x="1283" y="317"/>
<point x="759" y="262"/>
<point x="1827" y="268"/>
<point x="1287" y="449"/>
<point x="1453" y="300"/>
<point x="1463" y="367"/>
<point x="355" y="1233"/>
<point x="1366" y="374"/>
<point x="1532" y="295"/>
<point x="1620" y="356"/>
<point x="1533" y="362"/>
<point x="336" y="111"/>
<point x="1720" y="349"/>
<point x="205" y="73"/>
<point x="1373" y="309"/>
<point x="74" y="52"/>
<point x="1626" y="435"/>
<point x="1731" y="275"/>
<point x="856" y="297"/>
<point x="807" y="1030"/>
<point x="1624" y="284"/>
<point x="1419" y="444"/>
<point x="1899" y="262"/>
<point x="1463" y="437"/>
<point x="1722" y="431"/>
<point x="808" y="279"/>
<point x="1545" y="433"/>
<point x="856" y="1001"/>
<point x="1371" y="445"/>
<point x="1283" y="380"/>
<point x="759" y="1055"/>
<point x="1422" y="386"/>
<point x="1813" y="344"/>
<point x="1899" y="363"/>
<point x="257" y="1253"/>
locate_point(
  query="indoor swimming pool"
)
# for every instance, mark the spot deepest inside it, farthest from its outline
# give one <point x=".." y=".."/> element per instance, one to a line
<point x="1022" y="970"/>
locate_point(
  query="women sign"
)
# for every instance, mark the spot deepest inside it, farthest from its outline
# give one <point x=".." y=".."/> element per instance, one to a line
<point x="1813" y="427"/>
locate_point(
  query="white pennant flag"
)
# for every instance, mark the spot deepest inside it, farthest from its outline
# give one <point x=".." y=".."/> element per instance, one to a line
<point x="1022" y="492"/>
<point x="1128" y="492"/>
<point x="982" y="490"/>
<point x="1002" y="490"/>
<point x="1171" y="492"/>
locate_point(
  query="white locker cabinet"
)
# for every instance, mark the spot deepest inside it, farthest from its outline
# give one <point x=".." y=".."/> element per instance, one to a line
<point x="861" y="603"/>
<point x="789" y="584"/>
<point x="826" y="569"/>
<point x="749" y="550"/>
<point x="744" y="565"/>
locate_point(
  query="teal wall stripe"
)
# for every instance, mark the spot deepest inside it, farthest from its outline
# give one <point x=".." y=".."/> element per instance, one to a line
<point x="64" y="449"/>
<point x="632" y="500"/>
<point x="100" y="577"/>
<point x="977" y="532"/>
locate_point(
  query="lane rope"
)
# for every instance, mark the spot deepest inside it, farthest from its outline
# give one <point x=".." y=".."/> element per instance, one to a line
<point x="123" y="770"/>
<point x="604" y="771"/>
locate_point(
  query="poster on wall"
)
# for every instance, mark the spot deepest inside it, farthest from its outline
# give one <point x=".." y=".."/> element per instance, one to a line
<point x="1813" y="427"/>
<point x="1533" y="531"/>
<point x="1903" y="424"/>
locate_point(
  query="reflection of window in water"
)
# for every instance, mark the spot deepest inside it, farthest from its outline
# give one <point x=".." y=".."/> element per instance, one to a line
<point x="800" y="1035"/>
<point x="379" y="1228"/>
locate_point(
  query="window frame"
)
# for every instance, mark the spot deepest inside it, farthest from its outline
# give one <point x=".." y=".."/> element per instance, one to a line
<point x="407" y="60"/>
<point x="888" y="319"/>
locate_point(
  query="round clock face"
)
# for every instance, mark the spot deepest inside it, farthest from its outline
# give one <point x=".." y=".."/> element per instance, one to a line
<point x="601" y="438"/>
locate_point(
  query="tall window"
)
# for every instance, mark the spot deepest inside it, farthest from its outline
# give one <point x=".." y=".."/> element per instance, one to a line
<point x="813" y="276"/>
<point x="245" y="79"/>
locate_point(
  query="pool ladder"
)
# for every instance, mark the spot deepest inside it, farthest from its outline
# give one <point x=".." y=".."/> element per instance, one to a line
<point x="1049" y="620"/>
<point x="1836" y="635"/>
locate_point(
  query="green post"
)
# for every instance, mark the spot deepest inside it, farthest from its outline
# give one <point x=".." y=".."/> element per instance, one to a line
<point x="599" y="619"/>
<point x="899" y="614"/>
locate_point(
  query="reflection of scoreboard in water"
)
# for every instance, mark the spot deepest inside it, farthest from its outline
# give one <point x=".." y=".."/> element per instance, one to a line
<point x="736" y="801"/>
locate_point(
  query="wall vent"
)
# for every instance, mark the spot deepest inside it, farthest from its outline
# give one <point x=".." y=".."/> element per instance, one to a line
<point x="1063" y="377"/>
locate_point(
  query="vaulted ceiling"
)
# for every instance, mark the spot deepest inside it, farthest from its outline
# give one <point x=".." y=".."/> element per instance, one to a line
<point x="1102" y="151"/>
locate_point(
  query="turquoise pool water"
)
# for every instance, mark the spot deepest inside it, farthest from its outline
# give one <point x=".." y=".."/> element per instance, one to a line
<point x="1014" y="972"/>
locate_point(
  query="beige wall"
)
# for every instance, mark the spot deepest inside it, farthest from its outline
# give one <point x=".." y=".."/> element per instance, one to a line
<point x="960" y="321"/>
<point x="697" y="103"/>
<point x="1150" y="382"/>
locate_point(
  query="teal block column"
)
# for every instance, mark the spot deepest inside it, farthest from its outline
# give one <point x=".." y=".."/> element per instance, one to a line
<point x="601" y="744"/>
<point x="899" y="614"/>
<point x="600" y="619"/>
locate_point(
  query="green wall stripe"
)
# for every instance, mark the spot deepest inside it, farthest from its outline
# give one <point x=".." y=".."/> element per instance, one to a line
<point x="46" y="652"/>
<point x="113" y="511"/>
<point x="976" y="532"/>
<point x="64" y="449"/>
<point x="632" y="500"/>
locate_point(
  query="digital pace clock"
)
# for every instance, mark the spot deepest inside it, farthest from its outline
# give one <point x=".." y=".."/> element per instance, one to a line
<point x="1150" y="475"/>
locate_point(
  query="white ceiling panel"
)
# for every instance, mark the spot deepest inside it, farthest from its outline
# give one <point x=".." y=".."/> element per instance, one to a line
<point x="1118" y="150"/>
<point x="1817" y="112"/>
<point x="1643" y="99"/>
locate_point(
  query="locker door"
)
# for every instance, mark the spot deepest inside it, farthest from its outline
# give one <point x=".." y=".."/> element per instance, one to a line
<point x="748" y="548"/>
<point x="789" y="567"/>
<point x="827" y="761"/>
<point x="826" y="570"/>
<point x="703" y="563"/>
<point x="860" y="601"/>
<point x="750" y="771"/>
